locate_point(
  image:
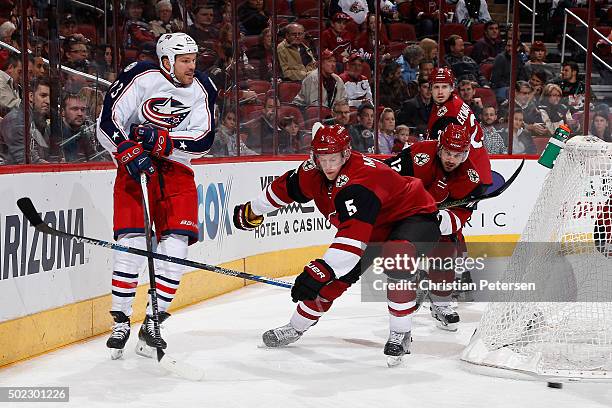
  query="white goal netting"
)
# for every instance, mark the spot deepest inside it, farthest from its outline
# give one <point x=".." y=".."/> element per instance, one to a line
<point x="564" y="329"/>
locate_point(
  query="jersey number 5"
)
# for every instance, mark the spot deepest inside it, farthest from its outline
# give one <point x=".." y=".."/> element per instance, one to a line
<point x="350" y="207"/>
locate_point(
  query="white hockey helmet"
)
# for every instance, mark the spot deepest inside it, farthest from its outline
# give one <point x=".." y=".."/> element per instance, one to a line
<point x="171" y="45"/>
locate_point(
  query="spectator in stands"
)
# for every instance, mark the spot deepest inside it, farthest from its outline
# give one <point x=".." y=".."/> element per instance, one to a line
<point x="356" y="9"/>
<point x="488" y="47"/>
<point x="463" y="66"/>
<point x="537" y="61"/>
<point x="342" y="114"/>
<point x="137" y="30"/>
<point x="532" y="117"/>
<point x="338" y="40"/>
<point x="332" y="89"/>
<point x="76" y="140"/>
<point x="6" y="32"/>
<point x="12" y="128"/>
<point x="290" y="139"/>
<point x="492" y="140"/>
<point x="67" y="26"/>
<point x="262" y="130"/>
<point x="467" y="92"/>
<point x="295" y="58"/>
<point x="165" y="23"/>
<point x="362" y="133"/>
<point x="357" y="85"/>
<point x="105" y="66"/>
<point x="425" y="68"/>
<point x="225" y="137"/>
<point x="365" y="41"/>
<point x="393" y="89"/>
<point x="427" y="16"/>
<point x="572" y="88"/>
<point x="415" y="111"/>
<point x="202" y="30"/>
<point x="600" y="127"/>
<point x="430" y="48"/>
<point x="552" y="111"/>
<point x="253" y="17"/>
<point x="386" y="131"/>
<point x="94" y="99"/>
<point x="403" y="139"/>
<point x="522" y="142"/>
<point x="77" y="54"/>
<point x="10" y="78"/>
<point x="500" y="74"/>
<point x="468" y="12"/>
<point x="537" y="81"/>
<point x="261" y="56"/>
<point x="409" y="61"/>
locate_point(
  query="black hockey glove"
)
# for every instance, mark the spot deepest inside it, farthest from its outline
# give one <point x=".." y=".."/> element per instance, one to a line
<point x="309" y="283"/>
<point x="132" y="156"/>
<point x="245" y="219"/>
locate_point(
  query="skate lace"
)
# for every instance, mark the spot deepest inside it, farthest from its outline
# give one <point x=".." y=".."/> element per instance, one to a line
<point x="119" y="330"/>
<point x="285" y="332"/>
<point x="396" y="337"/>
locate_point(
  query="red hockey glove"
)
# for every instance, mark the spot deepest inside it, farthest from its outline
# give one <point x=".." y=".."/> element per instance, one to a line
<point x="309" y="283"/>
<point x="154" y="140"/>
<point x="134" y="159"/>
<point x="245" y="219"/>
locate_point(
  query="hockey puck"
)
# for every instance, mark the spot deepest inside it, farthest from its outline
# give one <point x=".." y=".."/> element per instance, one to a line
<point x="555" y="385"/>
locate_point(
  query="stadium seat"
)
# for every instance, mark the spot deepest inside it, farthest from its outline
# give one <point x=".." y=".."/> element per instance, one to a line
<point x="396" y="49"/>
<point x="581" y="12"/>
<point x="306" y="8"/>
<point x="454" y="28"/>
<point x="401" y="32"/>
<point x="486" y="70"/>
<point x="476" y="32"/>
<point x="540" y="143"/>
<point x="404" y="9"/>
<point x="248" y="112"/>
<point x="89" y="31"/>
<point x="468" y="50"/>
<point x="486" y="95"/>
<point x="352" y="28"/>
<point x="250" y="41"/>
<point x="288" y="90"/>
<point x="258" y="86"/>
<point x="312" y="112"/>
<point x="282" y="7"/>
<point x="290" y="110"/>
<point x="311" y="26"/>
<point x="366" y="70"/>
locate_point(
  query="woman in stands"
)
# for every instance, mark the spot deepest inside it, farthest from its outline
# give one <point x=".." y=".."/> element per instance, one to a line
<point x="600" y="127"/>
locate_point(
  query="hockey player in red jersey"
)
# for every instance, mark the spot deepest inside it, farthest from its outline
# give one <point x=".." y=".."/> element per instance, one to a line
<point x="155" y="119"/>
<point x="449" y="108"/>
<point x="367" y="202"/>
<point x="448" y="173"/>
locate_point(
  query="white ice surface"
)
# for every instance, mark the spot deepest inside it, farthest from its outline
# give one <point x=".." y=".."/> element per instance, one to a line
<point x="338" y="363"/>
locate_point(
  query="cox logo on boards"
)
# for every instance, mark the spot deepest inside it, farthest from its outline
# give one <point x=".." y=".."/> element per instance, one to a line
<point x="214" y="219"/>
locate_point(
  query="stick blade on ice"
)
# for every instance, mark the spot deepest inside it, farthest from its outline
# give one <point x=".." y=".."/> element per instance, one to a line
<point x="181" y="369"/>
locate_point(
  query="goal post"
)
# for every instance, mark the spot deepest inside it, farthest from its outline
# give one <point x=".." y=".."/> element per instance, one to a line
<point x="564" y="330"/>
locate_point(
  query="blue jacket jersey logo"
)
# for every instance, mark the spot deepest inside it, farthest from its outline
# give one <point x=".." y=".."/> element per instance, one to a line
<point x="165" y="112"/>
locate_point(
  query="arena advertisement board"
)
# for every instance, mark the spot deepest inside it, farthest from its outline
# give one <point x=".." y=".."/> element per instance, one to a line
<point x="39" y="272"/>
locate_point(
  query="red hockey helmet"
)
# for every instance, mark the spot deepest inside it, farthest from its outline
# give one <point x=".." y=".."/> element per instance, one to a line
<point x="455" y="138"/>
<point x="442" y="76"/>
<point x="330" y="139"/>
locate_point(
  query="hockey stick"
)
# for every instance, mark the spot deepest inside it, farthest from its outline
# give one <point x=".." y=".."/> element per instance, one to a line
<point x="470" y="201"/>
<point x="169" y="363"/>
<point x="29" y="211"/>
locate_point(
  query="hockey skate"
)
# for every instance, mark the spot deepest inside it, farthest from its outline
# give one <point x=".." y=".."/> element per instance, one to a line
<point x="445" y="315"/>
<point x="119" y="336"/>
<point x="281" y="336"/>
<point x="397" y="346"/>
<point x="147" y="343"/>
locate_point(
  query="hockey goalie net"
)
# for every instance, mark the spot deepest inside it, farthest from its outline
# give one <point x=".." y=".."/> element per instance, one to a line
<point x="565" y="329"/>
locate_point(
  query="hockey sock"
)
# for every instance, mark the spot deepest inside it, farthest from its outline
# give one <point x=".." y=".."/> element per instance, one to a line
<point x="125" y="273"/>
<point x="168" y="275"/>
<point x="401" y="304"/>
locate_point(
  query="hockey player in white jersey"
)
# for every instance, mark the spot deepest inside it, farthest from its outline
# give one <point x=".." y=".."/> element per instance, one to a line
<point x="155" y="119"/>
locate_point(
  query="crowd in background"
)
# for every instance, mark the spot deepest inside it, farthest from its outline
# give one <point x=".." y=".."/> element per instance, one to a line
<point x="278" y="99"/>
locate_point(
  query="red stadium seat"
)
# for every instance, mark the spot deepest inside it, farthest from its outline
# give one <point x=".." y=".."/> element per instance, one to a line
<point x="396" y="49"/>
<point x="540" y="143"/>
<point x="476" y="32"/>
<point x="401" y="32"/>
<point x="290" y="110"/>
<point x="288" y="90"/>
<point x="282" y="7"/>
<point x="454" y="28"/>
<point x="248" y="112"/>
<point x="260" y="87"/>
<point x="486" y="70"/>
<point x="250" y="41"/>
<point x="486" y="95"/>
<point x="312" y="112"/>
<point x="89" y="31"/>
<point x="468" y="50"/>
<point x="366" y="70"/>
<point x="306" y="8"/>
<point x="581" y="12"/>
<point x="404" y="9"/>
<point x="352" y="28"/>
<point x="311" y="26"/>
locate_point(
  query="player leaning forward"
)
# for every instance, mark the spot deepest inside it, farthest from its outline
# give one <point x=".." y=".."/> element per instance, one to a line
<point x="368" y="202"/>
<point x="155" y="119"/>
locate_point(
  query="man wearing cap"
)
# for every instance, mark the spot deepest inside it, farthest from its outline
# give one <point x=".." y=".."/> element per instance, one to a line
<point x="295" y="58"/>
<point x="337" y="39"/>
<point x="486" y="49"/>
<point x="332" y="85"/>
<point x="357" y="85"/>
